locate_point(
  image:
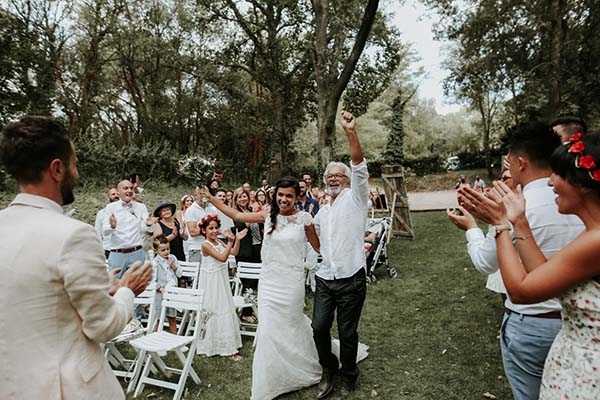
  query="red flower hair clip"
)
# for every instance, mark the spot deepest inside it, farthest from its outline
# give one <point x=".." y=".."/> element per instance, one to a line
<point x="585" y="162"/>
<point x="582" y="161"/>
<point x="576" y="137"/>
<point x="576" y="147"/>
<point x="208" y="218"/>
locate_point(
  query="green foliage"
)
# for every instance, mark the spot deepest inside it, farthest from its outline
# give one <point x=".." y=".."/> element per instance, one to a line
<point x="99" y="161"/>
<point x="394" y="149"/>
<point x="526" y="54"/>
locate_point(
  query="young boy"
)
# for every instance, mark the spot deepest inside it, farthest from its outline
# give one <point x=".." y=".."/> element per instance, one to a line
<point x="165" y="273"/>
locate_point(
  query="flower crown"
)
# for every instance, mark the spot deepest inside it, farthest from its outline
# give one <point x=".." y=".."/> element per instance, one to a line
<point x="208" y="218"/>
<point x="582" y="161"/>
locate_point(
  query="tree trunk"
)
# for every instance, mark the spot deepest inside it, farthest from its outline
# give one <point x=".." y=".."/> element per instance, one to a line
<point x="330" y="86"/>
<point x="558" y="37"/>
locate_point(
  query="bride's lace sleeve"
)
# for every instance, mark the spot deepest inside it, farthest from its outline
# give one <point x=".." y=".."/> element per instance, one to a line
<point x="306" y="219"/>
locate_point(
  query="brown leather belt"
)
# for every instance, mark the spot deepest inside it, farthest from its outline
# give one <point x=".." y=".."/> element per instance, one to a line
<point x="550" y="314"/>
<point x="126" y="250"/>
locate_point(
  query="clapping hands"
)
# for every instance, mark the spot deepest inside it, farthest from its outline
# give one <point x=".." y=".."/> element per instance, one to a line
<point x="494" y="206"/>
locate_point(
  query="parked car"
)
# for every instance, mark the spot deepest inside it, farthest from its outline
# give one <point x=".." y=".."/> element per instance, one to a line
<point x="452" y="163"/>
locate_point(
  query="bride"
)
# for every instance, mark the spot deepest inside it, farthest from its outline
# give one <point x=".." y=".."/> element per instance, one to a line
<point x="285" y="358"/>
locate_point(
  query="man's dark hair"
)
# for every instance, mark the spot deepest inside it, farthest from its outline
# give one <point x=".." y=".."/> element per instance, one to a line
<point x="536" y="140"/>
<point x="572" y="124"/>
<point x="132" y="177"/>
<point x="28" y="145"/>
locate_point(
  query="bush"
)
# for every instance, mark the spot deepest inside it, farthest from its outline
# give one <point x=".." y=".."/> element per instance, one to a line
<point x="101" y="162"/>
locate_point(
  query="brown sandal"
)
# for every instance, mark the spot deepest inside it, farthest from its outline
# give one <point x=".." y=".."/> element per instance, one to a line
<point x="235" y="357"/>
<point x="251" y="319"/>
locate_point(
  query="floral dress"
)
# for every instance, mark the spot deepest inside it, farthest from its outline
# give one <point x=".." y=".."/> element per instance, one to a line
<point x="572" y="369"/>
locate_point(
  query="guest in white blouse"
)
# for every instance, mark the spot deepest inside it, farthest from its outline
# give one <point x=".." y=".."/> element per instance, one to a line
<point x="479" y="245"/>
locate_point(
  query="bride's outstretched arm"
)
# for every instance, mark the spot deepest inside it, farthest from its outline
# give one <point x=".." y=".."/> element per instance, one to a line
<point x="247" y="217"/>
<point x="313" y="238"/>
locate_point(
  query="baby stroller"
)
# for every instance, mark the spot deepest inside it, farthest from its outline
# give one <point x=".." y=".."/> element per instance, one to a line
<point x="376" y="239"/>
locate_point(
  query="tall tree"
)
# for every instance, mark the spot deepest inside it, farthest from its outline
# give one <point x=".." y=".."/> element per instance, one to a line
<point x="331" y="35"/>
<point x="269" y="43"/>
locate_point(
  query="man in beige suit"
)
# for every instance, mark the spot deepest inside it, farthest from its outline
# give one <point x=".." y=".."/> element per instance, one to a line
<point x="57" y="300"/>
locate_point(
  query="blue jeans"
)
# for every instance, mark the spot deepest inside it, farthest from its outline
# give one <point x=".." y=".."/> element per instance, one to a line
<point x="124" y="261"/>
<point x="525" y="342"/>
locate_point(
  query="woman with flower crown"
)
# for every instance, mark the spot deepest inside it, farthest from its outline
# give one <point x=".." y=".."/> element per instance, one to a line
<point x="222" y="335"/>
<point x="572" y="368"/>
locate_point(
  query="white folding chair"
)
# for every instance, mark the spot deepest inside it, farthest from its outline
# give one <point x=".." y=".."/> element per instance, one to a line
<point x="191" y="270"/>
<point x="152" y="345"/>
<point x="251" y="271"/>
<point x="121" y="365"/>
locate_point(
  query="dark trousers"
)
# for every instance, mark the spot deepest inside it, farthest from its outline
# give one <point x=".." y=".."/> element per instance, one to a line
<point x="347" y="295"/>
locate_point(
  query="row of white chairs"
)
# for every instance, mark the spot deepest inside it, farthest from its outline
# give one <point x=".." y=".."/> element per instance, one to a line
<point x="149" y="345"/>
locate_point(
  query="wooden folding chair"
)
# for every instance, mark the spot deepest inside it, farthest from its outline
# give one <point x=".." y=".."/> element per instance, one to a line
<point x="152" y="345"/>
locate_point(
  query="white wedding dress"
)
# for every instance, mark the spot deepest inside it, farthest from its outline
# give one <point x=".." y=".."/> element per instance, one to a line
<point x="285" y="358"/>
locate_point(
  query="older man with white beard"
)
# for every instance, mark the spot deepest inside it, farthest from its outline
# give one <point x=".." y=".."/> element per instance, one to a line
<point x="341" y="278"/>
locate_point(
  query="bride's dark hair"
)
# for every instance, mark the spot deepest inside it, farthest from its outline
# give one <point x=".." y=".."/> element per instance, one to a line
<point x="286" y="182"/>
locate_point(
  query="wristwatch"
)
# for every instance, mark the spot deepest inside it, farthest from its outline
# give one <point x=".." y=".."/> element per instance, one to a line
<point x="501" y="228"/>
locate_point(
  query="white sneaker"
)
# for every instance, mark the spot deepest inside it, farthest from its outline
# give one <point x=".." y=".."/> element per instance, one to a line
<point x="185" y="349"/>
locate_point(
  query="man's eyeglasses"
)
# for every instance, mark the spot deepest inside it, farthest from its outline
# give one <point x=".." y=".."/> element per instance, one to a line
<point x="338" y="176"/>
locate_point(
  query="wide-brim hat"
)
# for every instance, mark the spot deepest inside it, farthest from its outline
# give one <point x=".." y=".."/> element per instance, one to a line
<point x="162" y="204"/>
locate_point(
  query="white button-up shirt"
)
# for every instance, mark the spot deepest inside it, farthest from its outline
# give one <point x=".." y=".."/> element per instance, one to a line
<point x="551" y="230"/>
<point x="131" y="224"/>
<point x="341" y="228"/>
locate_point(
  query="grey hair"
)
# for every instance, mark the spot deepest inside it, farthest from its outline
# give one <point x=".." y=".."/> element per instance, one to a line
<point x="332" y="164"/>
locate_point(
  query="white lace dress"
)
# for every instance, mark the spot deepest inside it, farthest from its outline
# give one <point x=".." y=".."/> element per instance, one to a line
<point x="285" y="358"/>
<point x="222" y="335"/>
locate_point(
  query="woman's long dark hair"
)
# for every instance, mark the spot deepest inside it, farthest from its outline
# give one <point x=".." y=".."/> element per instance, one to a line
<point x="286" y="182"/>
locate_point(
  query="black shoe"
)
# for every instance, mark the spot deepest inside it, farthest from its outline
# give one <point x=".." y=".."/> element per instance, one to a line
<point x="326" y="385"/>
<point x="348" y="386"/>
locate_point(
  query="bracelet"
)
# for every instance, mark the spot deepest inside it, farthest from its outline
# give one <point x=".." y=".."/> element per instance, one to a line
<point x="522" y="237"/>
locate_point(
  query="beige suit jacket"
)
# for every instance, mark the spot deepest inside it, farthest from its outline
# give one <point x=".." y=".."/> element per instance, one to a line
<point x="55" y="306"/>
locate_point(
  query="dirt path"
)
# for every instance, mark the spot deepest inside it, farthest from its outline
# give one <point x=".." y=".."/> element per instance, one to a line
<point x="428" y="201"/>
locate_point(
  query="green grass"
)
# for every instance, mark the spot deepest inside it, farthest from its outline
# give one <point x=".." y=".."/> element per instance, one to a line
<point x="432" y="331"/>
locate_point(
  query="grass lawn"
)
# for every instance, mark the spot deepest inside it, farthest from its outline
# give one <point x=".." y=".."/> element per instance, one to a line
<point x="432" y="331"/>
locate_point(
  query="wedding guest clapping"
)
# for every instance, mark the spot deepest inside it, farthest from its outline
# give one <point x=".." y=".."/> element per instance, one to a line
<point x="172" y="228"/>
<point x="530" y="148"/>
<point x="572" y="274"/>
<point x="58" y="303"/>
<point x="222" y="329"/>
